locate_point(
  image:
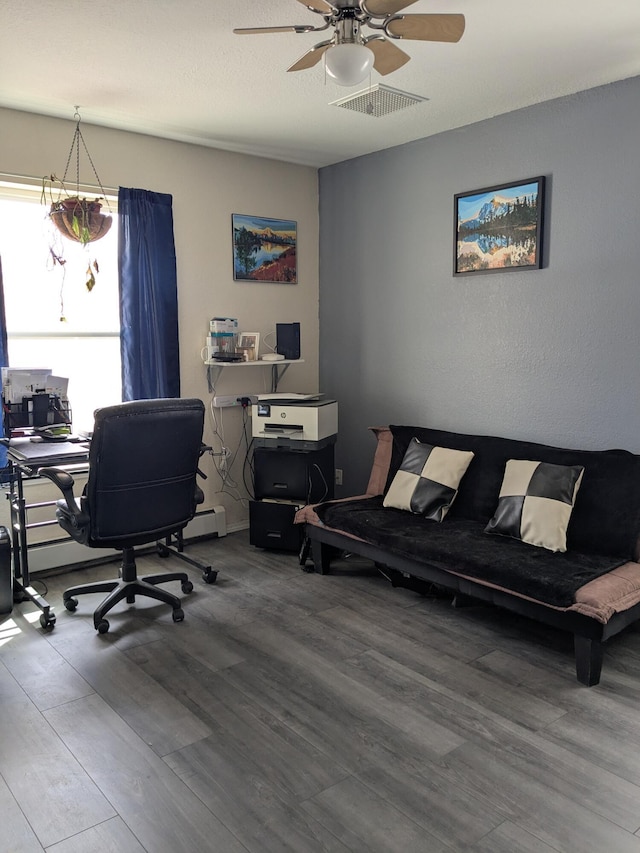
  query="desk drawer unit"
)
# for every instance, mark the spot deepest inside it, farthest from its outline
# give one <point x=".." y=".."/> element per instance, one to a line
<point x="271" y="525"/>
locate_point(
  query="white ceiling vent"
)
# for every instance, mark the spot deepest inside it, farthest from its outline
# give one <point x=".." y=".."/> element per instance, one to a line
<point x="378" y="101"/>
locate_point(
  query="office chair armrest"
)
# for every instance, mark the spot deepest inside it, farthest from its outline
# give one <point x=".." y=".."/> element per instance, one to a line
<point x="203" y="449"/>
<point x="64" y="481"/>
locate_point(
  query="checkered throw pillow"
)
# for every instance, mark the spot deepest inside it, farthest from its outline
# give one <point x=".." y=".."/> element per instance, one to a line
<point x="427" y="481"/>
<point x="535" y="503"/>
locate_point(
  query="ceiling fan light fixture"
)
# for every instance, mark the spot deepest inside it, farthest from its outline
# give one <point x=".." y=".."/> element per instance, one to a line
<point x="348" y="64"/>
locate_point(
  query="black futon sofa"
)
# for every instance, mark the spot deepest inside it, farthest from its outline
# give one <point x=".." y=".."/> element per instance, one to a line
<point x="592" y="589"/>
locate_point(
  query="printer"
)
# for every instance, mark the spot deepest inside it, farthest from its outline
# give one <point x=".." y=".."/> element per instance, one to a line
<point x="309" y="422"/>
<point x="293" y="465"/>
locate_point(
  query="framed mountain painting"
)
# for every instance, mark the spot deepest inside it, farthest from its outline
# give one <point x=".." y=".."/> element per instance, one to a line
<point x="499" y="229"/>
<point x="264" y="250"/>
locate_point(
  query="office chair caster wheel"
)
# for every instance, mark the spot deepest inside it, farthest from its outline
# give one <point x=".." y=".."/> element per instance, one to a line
<point x="47" y="622"/>
<point x="178" y="615"/>
<point x="71" y="604"/>
<point x="209" y="576"/>
<point x="187" y="587"/>
<point x="163" y="551"/>
<point x="102" y="627"/>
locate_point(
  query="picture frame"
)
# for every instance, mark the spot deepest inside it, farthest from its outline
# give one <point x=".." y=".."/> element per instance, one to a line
<point x="264" y="250"/>
<point x="499" y="228"/>
<point x="249" y="345"/>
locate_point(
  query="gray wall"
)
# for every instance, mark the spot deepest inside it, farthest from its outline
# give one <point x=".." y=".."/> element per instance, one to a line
<point x="550" y="355"/>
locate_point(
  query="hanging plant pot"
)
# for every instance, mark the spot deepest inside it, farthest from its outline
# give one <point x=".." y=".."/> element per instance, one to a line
<point x="79" y="219"/>
<point x="74" y="218"/>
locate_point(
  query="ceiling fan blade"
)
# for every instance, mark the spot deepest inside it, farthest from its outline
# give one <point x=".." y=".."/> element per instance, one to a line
<point x="322" y="7"/>
<point x="294" y="28"/>
<point x="388" y="56"/>
<point x="427" y="27"/>
<point x="311" y="57"/>
<point x="383" y="8"/>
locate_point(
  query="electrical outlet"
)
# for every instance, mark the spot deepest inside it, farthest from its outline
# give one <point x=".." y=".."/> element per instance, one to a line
<point x="338" y="476"/>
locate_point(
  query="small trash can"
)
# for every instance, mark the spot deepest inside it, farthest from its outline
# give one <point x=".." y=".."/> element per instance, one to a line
<point x="6" y="574"/>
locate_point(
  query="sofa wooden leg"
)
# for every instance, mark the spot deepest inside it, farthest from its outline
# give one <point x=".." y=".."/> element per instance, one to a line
<point x="321" y="555"/>
<point x="589" y="654"/>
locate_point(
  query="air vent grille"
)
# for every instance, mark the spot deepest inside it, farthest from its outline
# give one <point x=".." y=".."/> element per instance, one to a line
<point x="378" y="101"/>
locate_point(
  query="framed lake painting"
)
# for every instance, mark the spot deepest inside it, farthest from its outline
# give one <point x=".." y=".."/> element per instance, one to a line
<point x="264" y="249"/>
<point x="499" y="229"/>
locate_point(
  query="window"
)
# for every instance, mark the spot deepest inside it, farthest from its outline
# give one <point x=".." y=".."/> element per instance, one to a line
<point x="85" y="346"/>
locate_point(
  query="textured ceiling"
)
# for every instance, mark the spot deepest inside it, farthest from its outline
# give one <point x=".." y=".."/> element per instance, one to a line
<point x="174" y="69"/>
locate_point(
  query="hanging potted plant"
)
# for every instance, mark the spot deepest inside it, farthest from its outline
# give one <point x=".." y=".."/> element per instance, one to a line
<point x="80" y="219"/>
<point x="74" y="217"/>
<point x="77" y="219"/>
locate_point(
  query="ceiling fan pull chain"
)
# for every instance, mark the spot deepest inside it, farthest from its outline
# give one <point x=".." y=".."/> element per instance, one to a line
<point x="370" y="107"/>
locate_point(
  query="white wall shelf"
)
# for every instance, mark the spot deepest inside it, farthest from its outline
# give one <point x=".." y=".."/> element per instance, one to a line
<point x="278" y="369"/>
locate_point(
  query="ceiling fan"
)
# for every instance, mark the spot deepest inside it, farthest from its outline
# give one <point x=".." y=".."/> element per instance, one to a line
<point x="350" y="55"/>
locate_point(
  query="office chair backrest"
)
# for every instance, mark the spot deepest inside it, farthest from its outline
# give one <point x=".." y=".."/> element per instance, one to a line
<point x="143" y="461"/>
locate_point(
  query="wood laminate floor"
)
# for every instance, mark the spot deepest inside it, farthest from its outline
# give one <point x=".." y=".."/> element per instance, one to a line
<point x="306" y="713"/>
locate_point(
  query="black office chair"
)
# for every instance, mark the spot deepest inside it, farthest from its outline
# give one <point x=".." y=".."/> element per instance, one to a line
<point x="143" y="461"/>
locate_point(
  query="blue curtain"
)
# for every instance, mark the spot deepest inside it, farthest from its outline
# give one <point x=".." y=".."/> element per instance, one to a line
<point x="148" y="296"/>
<point x="4" y="361"/>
